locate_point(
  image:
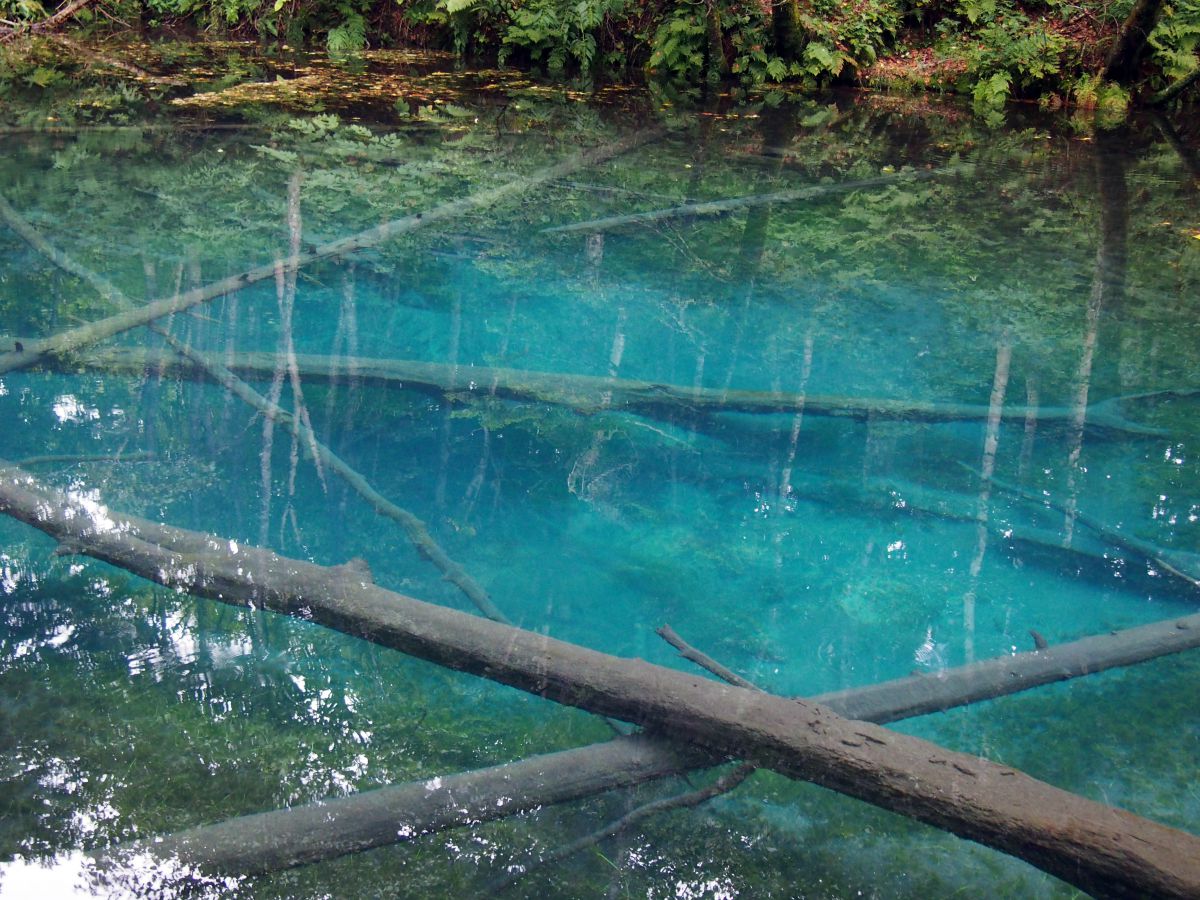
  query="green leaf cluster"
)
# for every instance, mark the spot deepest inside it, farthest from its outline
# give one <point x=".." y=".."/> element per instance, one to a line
<point x="1175" y="40"/>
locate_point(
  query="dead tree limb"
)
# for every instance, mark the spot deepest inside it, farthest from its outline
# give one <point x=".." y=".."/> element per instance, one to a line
<point x="712" y="208"/>
<point x="416" y="530"/>
<point x="35" y="351"/>
<point x="703" y="660"/>
<point x="722" y="785"/>
<point x="587" y="393"/>
<point x="270" y="841"/>
<point x="274" y="841"/>
<point x="688" y="800"/>
<point x="1100" y="849"/>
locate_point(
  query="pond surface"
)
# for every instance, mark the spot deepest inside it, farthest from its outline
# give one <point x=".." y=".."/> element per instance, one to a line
<point x="933" y="385"/>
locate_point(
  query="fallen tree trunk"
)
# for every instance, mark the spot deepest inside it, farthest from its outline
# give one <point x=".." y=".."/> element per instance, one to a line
<point x="1100" y="849"/>
<point x="1180" y="564"/>
<point x="711" y="208"/>
<point x="271" y="841"/>
<point x="586" y="394"/>
<point x="35" y="351"/>
<point x="49" y="23"/>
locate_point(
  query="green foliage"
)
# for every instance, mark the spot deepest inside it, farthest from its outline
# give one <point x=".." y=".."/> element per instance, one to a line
<point x="557" y="32"/>
<point x="1175" y="40"/>
<point x="679" y="42"/>
<point x="1092" y="92"/>
<point x="867" y="28"/>
<point x="348" y="37"/>
<point x="1012" y="52"/>
<point x="22" y="10"/>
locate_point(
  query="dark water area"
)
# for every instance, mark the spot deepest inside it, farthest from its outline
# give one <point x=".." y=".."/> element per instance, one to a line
<point x="839" y="389"/>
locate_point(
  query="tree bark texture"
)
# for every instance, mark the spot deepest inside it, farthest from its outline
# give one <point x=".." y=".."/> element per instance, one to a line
<point x="788" y="30"/>
<point x="1100" y="849"/>
<point x="283" y="839"/>
<point x="1122" y="63"/>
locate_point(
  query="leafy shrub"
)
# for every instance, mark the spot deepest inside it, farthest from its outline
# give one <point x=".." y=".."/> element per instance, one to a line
<point x="557" y="33"/>
<point x="679" y="43"/>
<point x="1176" y="38"/>
<point x="1012" y="51"/>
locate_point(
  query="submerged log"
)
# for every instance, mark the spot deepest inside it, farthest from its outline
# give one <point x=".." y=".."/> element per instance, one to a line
<point x="1100" y="849"/>
<point x="589" y="394"/>
<point x="270" y="841"/>
<point x="35" y="351"/>
<point x="414" y="528"/>
<point x="273" y="841"/>
<point x="712" y="208"/>
<point x="1180" y="564"/>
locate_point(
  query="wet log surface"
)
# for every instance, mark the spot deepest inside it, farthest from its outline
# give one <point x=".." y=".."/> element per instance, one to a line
<point x="1100" y="849"/>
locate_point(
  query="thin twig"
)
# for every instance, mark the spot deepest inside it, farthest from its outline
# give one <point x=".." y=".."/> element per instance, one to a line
<point x="703" y="660"/>
<point x="722" y="785"/>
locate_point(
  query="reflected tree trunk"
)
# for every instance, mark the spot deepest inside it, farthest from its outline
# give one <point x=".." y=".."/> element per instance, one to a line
<point x="453" y="342"/>
<point x="585" y="477"/>
<point x="478" y="480"/>
<point x="1031" y="420"/>
<point x="991" y="441"/>
<point x="785" y="475"/>
<point x="776" y="127"/>
<point x="1108" y="289"/>
<point x="286" y="366"/>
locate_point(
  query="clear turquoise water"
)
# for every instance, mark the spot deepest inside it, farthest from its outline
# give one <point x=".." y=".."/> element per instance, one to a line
<point x="808" y="553"/>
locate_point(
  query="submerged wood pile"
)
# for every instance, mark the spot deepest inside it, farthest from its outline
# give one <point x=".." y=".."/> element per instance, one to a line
<point x="1100" y="849"/>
